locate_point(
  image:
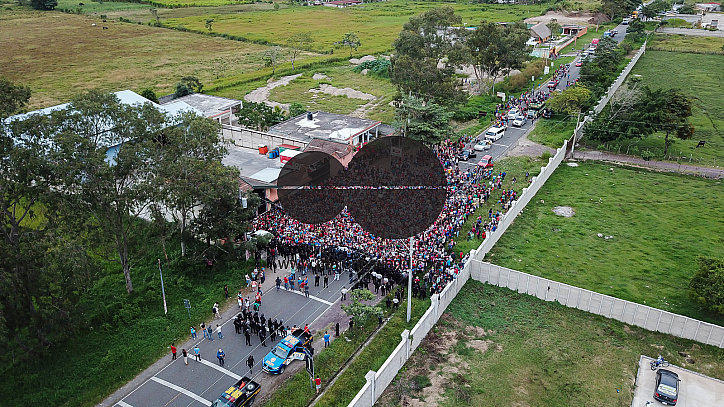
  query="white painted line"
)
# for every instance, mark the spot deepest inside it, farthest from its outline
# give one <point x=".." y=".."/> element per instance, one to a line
<point x="221" y="369"/>
<point x="311" y="296"/>
<point x="182" y="390"/>
<point x="123" y="404"/>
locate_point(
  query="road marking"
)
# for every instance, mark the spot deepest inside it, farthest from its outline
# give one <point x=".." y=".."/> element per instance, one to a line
<point x="221" y="369"/>
<point x="311" y="296"/>
<point x="182" y="390"/>
<point x="123" y="404"/>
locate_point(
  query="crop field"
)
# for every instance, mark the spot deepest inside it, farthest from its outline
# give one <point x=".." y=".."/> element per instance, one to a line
<point x="496" y="347"/>
<point x="58" y="55"/>
<point x="376" y="24"/>
<point x="658" y="224"/>
<point x="699" y="76"/>
<point x="687" y="42"/>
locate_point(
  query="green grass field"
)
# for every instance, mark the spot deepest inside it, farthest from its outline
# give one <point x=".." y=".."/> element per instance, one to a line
<point x="58" y="55"/>
<point x="700" y="77"/>
<point x="496" y="347"/>
<point x="376" y="24"/>
<point x="687" y="42"/>
<point x="551" y="132"/>
<point x="660" y="223"/>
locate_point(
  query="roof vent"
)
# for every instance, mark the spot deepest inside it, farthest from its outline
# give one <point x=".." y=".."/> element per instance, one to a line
<point x="309" y="116"/>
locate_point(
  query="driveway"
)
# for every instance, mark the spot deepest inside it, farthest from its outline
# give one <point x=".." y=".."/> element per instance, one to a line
<point x="695" y="390"/>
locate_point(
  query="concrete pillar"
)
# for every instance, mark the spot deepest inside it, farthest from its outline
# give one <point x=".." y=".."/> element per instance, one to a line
<point x="370" y="376"/>
<point x="406" y="338"/>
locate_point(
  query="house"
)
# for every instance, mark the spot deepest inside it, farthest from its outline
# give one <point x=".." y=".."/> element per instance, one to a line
<point x="540" y="32"/>
<point x="342" y="3"/>
<point x="708" y="7"/>
<point x="217" y="108"/>
<point x="574" y="30"/>
<point x="341" y="151"/>
<point x="350" y="130"/>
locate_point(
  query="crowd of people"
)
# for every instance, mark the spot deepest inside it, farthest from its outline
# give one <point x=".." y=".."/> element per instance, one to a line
<point x="434" y="262"/>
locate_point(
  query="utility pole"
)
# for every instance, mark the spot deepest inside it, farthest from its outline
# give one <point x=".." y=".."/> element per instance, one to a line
<point x="409" y="285"/>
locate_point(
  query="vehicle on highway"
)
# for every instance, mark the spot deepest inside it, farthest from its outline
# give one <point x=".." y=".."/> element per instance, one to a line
<point x="552" y="84"/>
<point x="486" y="162"/>
<point x="625" y="21"/>
<point x="512" y="113"/>
<point x="494" y="133"/>
<point x="667" y="387"/>
<point x="466" y="154"/>
<point x="289" y="349"/>
<point x="579" y="63"/>
<point x="482" y="145"/>
<point x="241" y="394"/>
<point x="519" y="120"/>
<point x="534" y="110"/>
<point x="547" y="113"/>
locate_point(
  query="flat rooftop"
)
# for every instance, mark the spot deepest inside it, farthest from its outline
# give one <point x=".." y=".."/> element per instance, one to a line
<point x="323" y="125"/>
<point x="252" y="164"/>
<point x="208" y="105"/>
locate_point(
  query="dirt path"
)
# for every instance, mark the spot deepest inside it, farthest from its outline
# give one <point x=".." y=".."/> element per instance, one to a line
<point x="667" y="166"/>
<point x="261" y="95"/>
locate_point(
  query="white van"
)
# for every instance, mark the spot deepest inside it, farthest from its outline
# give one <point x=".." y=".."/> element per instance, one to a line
<point x="494" y="133"/>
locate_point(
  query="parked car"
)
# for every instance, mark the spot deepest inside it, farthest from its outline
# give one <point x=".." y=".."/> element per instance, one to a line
<point x="512" y="113"/>
<point x="241" y="394"/>
<point x="486" y="162"/>
<point x="494" y="133"/>
<point x="579" y="63"/>
<point x="482" y="145"/>
<point x="519" y="120"/>
<point x="667" y="387"/>
<point x="547" y="114"/>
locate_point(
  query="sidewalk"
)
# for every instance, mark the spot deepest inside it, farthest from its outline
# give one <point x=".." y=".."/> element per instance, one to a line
<point x="667" y="166"/>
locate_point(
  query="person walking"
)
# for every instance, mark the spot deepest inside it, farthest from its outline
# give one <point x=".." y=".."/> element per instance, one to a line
<point x="210" y="330"/>
<point x="278" y="283"/>
<point x="217" y="314"/>
<point x="326" y="281"/>
<point x="247" y="335"/>
<point x="203" y="329"/>
<point x="218" y="331"/>
<point x="262" y="337"/>
<point x="193" y="333"/>
<point x="316" y="280"/>
<point x="306" y="290"/>
<point x="336" y="330"/>
<point x="344" y="293"/>
<point x="326" y="339"/>
<point x="286" y="283"/>
<point x="173" y="352"/>
<point x="221" y="355"/>
<point x="186" y="356"/>
<point x="318" y="384"/>
<point x="197" y="353"/>
<point x="226" y="291"/>
<point x="250" y="363"/>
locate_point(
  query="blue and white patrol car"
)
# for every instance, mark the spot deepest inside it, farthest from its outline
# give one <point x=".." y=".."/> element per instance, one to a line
<point x="290" y="348"/>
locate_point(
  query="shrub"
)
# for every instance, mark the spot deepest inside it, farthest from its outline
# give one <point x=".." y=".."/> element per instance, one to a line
<point x="707" y="285"/>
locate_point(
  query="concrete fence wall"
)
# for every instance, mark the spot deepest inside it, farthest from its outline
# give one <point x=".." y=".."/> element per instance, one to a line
<point x="643" y="316"/>
<point x="249" y="138"/>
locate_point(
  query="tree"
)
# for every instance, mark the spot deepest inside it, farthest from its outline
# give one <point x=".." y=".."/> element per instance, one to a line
<point x="427" y="51"/>
<point x="707" y="285"/>
<point x="259" y="116"/>
<point x="188" y="85"/>
<point x="618" y="8"/>
<point x="112" y="191"/>
<point x="297" y="43"/>
<point x="149" y="94"/>
<point x="636" y="30"/>
<point x="554" y="27"/>
<point x="209" y="23"/>
<point x="513" y="49"/>
<point x="359" y="311"/>
<point x="273" y="56"/>
<point x="219" y="66"/>
<point x="426" y="122"/>
<point x="687" y="9"/>
<point x="350" y="40"/>
<point x="44" y="4"/>
<point x="296" y="109"/>
<point x="571" y="100"/>
<point x="13" y="98"/>
<point x="154" y="11"/>
<point x="183" y="177"/>
<point x="667" y="111"/>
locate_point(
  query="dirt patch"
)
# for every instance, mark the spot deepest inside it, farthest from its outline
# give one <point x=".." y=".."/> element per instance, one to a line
<point x="366" y="58"/>
<point x="319" y="76"/>
<point x="565" y="211"/>
<point x="567" y="18"/>
<point x="527" y="148"/>
<point x="479" y="344"/>
<point x="261" y="95"/>
<point x="348" y="92"/>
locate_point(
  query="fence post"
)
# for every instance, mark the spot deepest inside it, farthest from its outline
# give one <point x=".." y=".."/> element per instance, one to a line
<point x="370" y="376"/>
<point x="406" y="338"/>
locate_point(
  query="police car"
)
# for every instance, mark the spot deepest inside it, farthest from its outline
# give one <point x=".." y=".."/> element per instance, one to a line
<point x="289" y="349"/>
<point x="241" y="394"/>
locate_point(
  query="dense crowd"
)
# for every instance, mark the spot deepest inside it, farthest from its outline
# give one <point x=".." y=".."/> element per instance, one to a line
<point x="434" y="261"/>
